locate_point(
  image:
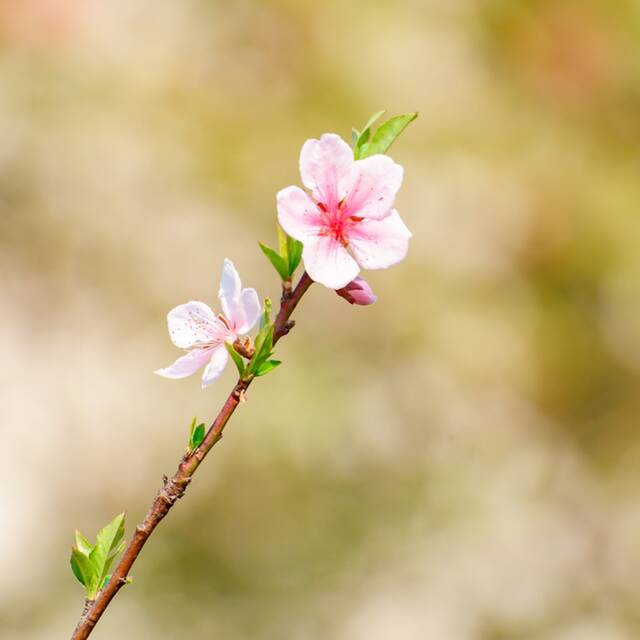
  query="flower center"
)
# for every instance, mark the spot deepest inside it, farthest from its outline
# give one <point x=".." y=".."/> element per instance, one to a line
<point x="336" y="224"/>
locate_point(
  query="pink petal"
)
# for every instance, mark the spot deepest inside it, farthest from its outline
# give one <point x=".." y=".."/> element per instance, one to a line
<point x="372" y="186"/>
<point x="216" y="365"/>
<point x="230" y="287"/>
<point x="247" y="312"/>
<point x="186" y="365"/>
<point x="328" y="262"/>
<point x="298" y="214"/>
<point x="323" y="165"/>
<point x="377" y="244"/>
<point x="194" y="323"/>
<point x="240" y="306"/>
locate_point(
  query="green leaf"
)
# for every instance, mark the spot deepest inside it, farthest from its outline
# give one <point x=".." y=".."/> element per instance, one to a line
<point x="282" y="243"/>
<point x="196" y="434"/>
<point x="90" y="564"/>
<point x="278" y="262"/>
<point x="264" y="342"/>
<point x="264" y="346"/>
<point x="82" y="568"/>
<point x="105" y="582"/>
<point x="75" y="567"/>
<point x="237" y="359"/>
<point x="371" y="121"/>
<point x="197" y="437"/>
<point x="84" y="546"/>
<point x="386" y="134"/>
<point x="108" y="545"/>
<point x="363" y="138"/>
<point x="267" y="366"/>
<point x="265" y="318"/>
<point x="109" y="537"/>
<point x="355" y="134"/>
<point x="294" y="251"/>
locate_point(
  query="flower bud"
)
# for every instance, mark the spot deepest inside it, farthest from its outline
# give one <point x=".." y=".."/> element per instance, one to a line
<point x="358" y="291"/>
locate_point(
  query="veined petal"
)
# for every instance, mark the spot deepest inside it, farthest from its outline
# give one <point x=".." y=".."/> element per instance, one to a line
<point x="187" y="364"/>
<point x="323" y="164"/>
<point x="298" y="214"/>
<point x="216" y="365"/>
<point x="328" y="262"/>
<point x="250" y="311"/>
<point x="192" y="324"/>
<point x="230" y="288"/>
<point x="241" y="307"/>
<point x="371" y="187"/>
<point x="377" y="244"/>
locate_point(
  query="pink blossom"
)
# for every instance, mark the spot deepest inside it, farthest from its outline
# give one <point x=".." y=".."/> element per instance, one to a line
<point x="195" y="328"/>
<point x="358" y="291"/>
<point x="348" y="221"/>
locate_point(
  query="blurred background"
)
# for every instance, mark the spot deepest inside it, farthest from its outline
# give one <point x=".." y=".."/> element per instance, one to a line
<point x="459" y="461"/>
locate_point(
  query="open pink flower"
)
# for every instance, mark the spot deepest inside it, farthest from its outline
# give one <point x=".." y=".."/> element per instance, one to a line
<point x="349" y="221"/>
<point x="195" y="328"/>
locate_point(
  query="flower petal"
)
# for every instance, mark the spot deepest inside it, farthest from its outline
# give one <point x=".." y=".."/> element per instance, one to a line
<point x="194" y="323"/>
<point x="298" y="214"/>
<point x="371" y="187"/>
<point x="216" y="365"/>
<point x="241" y="306"/>
<point x="377" y="244"/>
<point x="186" y="365"/>
<point x="328" y="262"/>
<point x="323" y="164"/>
<point x="247" y="312"/>
<point x="230" y="288"/>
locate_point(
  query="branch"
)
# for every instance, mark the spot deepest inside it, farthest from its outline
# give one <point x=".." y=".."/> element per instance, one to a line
<point x="175" y="487"/>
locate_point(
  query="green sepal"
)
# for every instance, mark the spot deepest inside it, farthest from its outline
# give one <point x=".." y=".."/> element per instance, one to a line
<point x="385" y="135"/>
<point x="237" y="358"/>
<point x="267" y="366"/>
<point x="279" y="263"/>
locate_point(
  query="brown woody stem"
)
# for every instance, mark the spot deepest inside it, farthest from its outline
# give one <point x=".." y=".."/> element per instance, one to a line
<point x="175" y="487"/>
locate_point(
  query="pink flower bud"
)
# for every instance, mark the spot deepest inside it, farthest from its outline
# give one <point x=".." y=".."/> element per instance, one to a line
<point x="358" y="291"/>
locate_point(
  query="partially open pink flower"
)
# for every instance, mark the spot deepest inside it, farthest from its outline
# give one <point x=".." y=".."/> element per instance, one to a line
<point x="358" y="291"/>
<point x="349" y="219"/>
<point x="195" y="328"/>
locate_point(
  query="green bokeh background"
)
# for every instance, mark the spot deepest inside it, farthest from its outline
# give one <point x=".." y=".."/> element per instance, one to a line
<point x="458" y="461"/>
